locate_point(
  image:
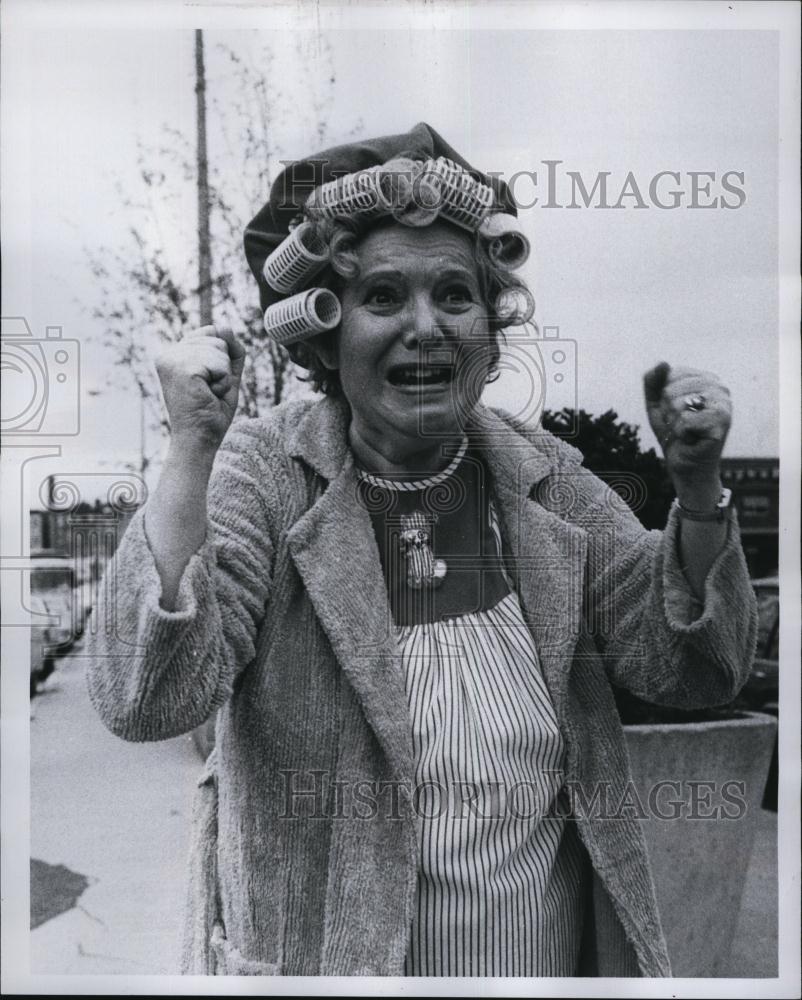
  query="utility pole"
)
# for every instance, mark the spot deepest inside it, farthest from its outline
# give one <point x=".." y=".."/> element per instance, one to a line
<point x="204" y="248"/>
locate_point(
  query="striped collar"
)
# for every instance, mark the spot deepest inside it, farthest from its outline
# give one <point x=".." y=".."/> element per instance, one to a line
<point x="413" y="485"/>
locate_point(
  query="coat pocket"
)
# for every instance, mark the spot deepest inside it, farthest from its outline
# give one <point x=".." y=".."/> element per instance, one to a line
<point x="202" y="902"/>
<point x="206" y="950"/>
<point x="230" y="962"/>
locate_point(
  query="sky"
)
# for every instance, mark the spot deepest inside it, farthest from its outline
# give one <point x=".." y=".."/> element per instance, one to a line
<point x="622" y="288"/>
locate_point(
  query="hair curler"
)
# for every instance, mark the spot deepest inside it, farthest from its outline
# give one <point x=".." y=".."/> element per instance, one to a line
<point x="296" y="259"/>
<point x="514" y="306"/>
<point x="463" y="200"/>
<point x="357" y="194"/>
<point x="506" y="245"/>
<point x="411" y="197"/>
<point x="303" y="315"/>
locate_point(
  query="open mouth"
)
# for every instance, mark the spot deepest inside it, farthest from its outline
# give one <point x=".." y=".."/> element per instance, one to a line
<point x="415" y="376"/>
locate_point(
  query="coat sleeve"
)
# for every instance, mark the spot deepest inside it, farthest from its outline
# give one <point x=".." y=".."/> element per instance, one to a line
<point x="154" y="674"/>
<point x="657" y="639"/>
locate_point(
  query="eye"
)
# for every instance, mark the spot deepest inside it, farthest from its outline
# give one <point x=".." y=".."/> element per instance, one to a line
<point x="382" y="296"/>
<point x="457" y="295"/>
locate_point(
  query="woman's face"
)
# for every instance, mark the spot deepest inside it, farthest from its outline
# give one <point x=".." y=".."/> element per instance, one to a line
<point x="413" y="350"/>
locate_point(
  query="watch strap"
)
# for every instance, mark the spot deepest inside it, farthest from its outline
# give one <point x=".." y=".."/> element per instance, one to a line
<point x="717" y="514"/>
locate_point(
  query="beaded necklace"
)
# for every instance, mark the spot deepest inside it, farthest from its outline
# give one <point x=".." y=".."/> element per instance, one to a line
<point x="415" y="537"/>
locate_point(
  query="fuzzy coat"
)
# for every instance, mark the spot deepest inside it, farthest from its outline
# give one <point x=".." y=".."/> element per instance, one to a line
<point x="282" y="622"/>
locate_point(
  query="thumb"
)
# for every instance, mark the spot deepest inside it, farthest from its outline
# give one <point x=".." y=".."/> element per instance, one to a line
<point x="236" y="352"/>
<point x="654" y="381"/>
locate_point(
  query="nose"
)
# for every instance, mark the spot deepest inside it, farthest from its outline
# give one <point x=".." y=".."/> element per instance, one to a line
<point x="423" y="323"/>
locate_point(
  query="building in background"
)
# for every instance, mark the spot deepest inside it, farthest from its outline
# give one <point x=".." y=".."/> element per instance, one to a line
<point x="755" y="485"/>
<point x="89" y="537"/>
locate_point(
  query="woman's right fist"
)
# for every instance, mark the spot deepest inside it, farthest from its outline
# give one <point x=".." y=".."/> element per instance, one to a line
<point x="200" y="378"/>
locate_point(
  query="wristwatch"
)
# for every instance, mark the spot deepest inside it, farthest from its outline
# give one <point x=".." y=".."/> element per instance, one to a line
<point x="720" y="512"/>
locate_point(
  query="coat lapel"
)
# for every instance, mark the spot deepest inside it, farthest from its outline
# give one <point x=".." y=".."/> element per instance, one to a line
<point x="335" y="552"/>
<point x="545" y="553"/>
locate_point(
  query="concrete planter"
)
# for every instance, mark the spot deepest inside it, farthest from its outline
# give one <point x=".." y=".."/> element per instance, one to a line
<point x="700" y="851"/>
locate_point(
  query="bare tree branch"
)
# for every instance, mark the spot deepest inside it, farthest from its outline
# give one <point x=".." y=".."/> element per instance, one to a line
<point x="145" y="290"/>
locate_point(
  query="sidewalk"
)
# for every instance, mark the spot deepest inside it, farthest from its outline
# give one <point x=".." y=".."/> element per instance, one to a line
<point x="118" y="815"/>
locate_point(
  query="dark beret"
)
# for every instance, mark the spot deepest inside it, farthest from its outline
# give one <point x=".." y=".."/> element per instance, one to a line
<point x="297" y="181"/>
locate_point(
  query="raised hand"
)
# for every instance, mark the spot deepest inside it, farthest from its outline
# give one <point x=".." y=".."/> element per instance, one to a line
<point x="690" y="412"/>
<point x="200" y="378"/>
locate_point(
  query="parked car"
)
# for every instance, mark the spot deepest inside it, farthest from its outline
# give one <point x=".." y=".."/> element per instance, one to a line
<point x="41" y="661"/>
<point x="55" y="593"/>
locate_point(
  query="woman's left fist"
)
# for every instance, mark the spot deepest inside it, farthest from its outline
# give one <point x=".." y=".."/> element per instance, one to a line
<point x="690" y="413"/>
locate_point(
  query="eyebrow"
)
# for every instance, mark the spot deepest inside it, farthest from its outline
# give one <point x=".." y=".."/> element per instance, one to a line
<point x="453" y="271"/>
<point x="379" y="272"/>
<point x="460" y="271"/>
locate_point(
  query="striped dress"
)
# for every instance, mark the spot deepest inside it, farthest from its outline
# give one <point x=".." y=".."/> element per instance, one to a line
<point x="500" y="877"/>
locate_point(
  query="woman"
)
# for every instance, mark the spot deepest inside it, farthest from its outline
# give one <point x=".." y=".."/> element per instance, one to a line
<point x="410" y="611"/>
